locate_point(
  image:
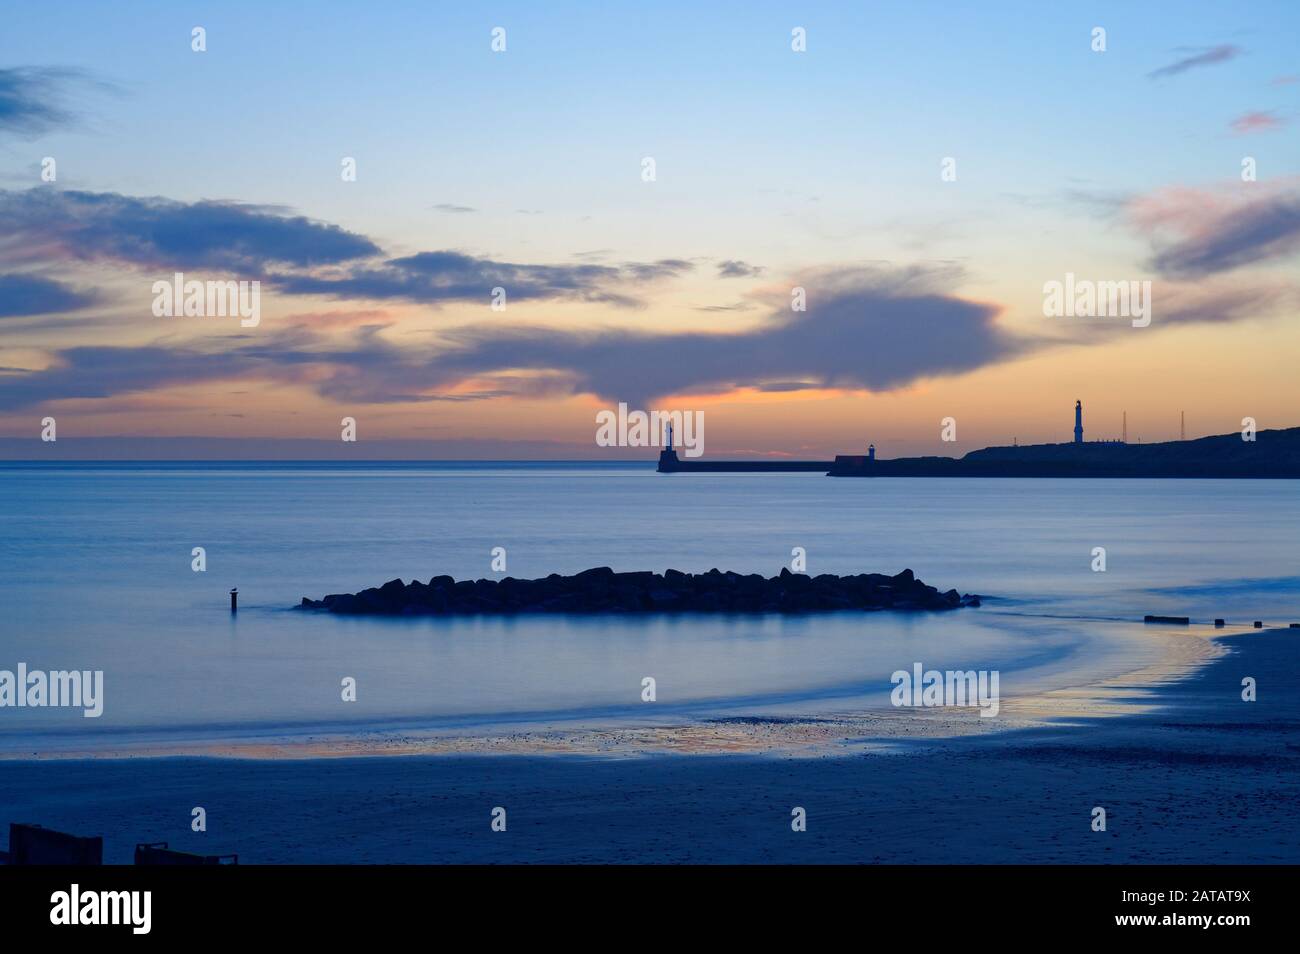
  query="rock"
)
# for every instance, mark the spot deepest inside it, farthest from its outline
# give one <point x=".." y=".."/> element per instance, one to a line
<point x="663" y="598"/>
<point x="345" y="603"/>
<point x="601" y="590"/>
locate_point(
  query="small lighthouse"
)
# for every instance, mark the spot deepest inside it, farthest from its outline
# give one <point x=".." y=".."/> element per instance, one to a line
<point x="871" y="452"/>
<point x="668" y="457"/>
<point x="1078" y="422"/>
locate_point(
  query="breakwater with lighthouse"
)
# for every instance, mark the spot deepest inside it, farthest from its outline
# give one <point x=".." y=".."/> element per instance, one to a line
<point x="1266" y="454"/>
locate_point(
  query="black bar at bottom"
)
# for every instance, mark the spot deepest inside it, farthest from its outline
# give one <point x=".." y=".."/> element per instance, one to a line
<point x="218" y="902"/>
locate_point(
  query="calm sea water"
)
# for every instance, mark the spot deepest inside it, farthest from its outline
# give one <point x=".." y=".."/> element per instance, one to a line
<point x="95" y="574"/>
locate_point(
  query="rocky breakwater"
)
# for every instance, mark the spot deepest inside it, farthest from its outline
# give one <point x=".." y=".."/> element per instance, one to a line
<point x="601" y="590"/>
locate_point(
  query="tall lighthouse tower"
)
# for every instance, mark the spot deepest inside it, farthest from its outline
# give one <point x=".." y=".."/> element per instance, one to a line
<point x="1078" y="422"/>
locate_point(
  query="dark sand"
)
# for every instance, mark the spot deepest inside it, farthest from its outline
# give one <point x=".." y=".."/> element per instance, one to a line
<point x="1201" y="777"/>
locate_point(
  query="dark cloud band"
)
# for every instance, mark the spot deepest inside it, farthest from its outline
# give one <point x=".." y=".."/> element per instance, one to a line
<point x="22" y="295"/>
<point x="152" y="232"/>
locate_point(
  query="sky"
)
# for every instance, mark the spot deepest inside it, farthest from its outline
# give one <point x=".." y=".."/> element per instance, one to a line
<point x="921" y="170"/>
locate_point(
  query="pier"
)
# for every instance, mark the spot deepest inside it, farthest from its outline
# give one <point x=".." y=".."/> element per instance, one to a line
<point x="670" y="463"/>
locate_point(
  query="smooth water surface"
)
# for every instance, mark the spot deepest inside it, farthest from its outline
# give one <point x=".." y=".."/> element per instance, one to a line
<point x="95" y="574"/>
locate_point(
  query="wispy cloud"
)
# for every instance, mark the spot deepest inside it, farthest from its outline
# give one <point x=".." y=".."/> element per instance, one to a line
<point x="298" y="255"/>
<point x="33" y="295"/>
<point x="97" y="372"/>
<point x="1204" y="57"/>
<point x="1214" y="302"/>
<point x="433" y="277"/>
<point x="1224" y="302"/>
<point x="31" y="99"/>
<point x="737" y="269"/>
<point x="453" y="209"/>
<point x="734" y="306"/>
<point x="1104" y="202"/>
<point x="1256" y="122"/>
<point x="865" y="328"/>
<point x="1203" y="232"/>
<point x="49" y="224"/>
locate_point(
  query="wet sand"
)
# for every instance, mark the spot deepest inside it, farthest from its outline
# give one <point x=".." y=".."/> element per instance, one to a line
<point x="1187" y="772"/>
<point x="1087" y="688"/>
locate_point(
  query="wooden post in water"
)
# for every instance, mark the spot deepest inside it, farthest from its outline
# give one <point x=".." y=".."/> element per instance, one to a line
<point x="234" y="599"/>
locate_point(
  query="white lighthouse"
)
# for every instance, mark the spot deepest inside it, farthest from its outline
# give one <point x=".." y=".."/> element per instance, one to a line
<point x="1078" y="422"/>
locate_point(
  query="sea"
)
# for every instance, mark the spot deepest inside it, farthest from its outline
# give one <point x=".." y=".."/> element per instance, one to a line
<point x="97" y="574"/>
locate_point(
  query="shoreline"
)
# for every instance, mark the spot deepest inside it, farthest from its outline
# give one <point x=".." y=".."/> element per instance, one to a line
<point x="1197" y="777"/>
<point x="837" y="730"/>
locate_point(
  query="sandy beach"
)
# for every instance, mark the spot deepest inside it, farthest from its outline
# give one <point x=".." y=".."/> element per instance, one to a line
<point x="1186" y="770"/>
<point x="1118" y="680"/>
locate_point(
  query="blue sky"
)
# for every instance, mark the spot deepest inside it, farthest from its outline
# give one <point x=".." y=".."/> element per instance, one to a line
<point x="799" y="163"/>
<point x="711" y="90"/>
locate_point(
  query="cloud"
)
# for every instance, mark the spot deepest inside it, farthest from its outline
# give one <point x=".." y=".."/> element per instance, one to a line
<point x="1217" y="232"/>
<point x="864" y="328"/>
<point x="1221" y="302"/>
<point x="1103" y="202"/>
<point x="653" y="271"/>
<point x="734" y="306"/>
<point x="368" y="370"/>
<point x="352" y="318"/>
<point x="44" y="223"/>
<point x="99" y="372"/>
<point x="432" y="277"/>
<point x="876" y="329"/>
<point x="781" y="387"/>
<point x="33" y="295"/>
<point x="298" y="255"/>
<point x="1205" y="57"/>
<point x="737" y="269"/>
<point x="31" y="99"/>
<point x="455" y="209"/>
<point x="1255" y="122"/>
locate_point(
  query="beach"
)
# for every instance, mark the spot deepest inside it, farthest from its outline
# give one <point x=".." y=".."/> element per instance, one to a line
<point x="248" y="716"/>
<point x="1186" y="771"/>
